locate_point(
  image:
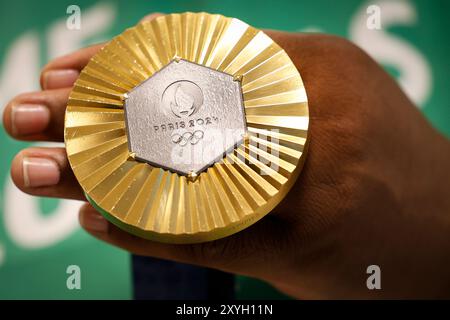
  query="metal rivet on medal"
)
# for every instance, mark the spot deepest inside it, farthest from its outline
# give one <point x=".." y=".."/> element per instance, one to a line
<point x="238" y="77"/>
<point x="185" y="141"/>
<point x="192" y="176"/>
<point x="132" y="156"/>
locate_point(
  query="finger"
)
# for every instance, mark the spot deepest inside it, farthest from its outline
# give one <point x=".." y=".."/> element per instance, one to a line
<point x="45" y="172"/>
<point x="62" y="72"/>
<point x="95" y="224"/>
<point x="37" y="116"/>
<point x="151" y="16"/>
<point x="240" y="252"/>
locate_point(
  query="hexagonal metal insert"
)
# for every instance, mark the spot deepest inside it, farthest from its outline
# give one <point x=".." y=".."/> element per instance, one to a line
<point x="185" y="117"/>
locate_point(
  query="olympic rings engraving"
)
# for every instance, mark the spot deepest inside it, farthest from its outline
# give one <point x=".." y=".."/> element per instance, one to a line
<point x="187" y="137"/>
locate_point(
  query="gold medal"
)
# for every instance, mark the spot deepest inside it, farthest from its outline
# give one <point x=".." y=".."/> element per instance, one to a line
<point x="187" y="128"/>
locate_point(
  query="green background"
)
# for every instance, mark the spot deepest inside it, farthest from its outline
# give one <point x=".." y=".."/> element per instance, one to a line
<point x="34" y="253"/>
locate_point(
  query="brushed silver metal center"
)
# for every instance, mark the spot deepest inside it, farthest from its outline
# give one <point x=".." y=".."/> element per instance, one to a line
<point x="185" y="117"/>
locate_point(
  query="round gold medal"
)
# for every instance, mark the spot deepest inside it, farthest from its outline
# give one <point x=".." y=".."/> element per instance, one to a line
<point x="187" y="128"/>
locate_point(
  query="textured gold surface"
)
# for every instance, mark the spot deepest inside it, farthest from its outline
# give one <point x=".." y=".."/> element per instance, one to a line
<point x="232" y="194"/>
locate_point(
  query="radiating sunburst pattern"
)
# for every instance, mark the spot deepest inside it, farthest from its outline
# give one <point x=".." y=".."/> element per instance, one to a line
<point x="231" y="194"/>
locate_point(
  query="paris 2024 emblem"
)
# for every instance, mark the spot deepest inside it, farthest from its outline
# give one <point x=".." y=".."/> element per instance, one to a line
<point x="183" y="99"/>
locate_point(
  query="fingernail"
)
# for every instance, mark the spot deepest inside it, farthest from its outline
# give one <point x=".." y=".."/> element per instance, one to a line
<point x="54" y="79"/>
<point x="29" y="119"/>
<point x="40" y="172"/>
<point x="94" y="222"/>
